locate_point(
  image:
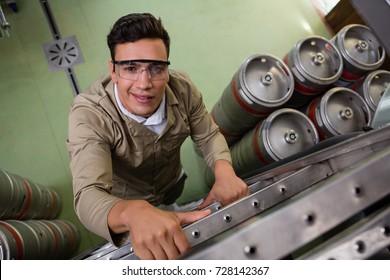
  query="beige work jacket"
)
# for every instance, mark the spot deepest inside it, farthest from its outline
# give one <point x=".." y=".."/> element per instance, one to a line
<point x="113" y="157"/>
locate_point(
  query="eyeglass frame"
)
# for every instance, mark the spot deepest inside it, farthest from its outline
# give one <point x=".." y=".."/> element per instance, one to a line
<point x="151" y="61"/>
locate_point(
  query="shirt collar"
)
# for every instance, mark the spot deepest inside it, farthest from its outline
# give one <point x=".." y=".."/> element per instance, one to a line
<point x="157" y="118"/>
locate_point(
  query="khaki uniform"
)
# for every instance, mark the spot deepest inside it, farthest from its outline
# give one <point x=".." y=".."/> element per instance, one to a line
<point x="113" y="157"/>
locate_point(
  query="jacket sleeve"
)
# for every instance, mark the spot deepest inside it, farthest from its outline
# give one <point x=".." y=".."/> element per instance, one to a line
<point x="89" y="149"/>
<point x="204" y="132"/>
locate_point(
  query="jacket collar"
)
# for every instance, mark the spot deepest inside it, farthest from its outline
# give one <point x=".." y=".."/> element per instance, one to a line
<point x="171" y="100"/>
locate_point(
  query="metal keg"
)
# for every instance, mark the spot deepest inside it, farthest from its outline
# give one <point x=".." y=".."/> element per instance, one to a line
<point x="283" y="133"/>
<point x="45" y="203"/>
<point x="12" y="196"/>
<point x="373" y="87"/>
<point x="361" y="53"/>
<point x="339" y="111"/>
<point x="38" y="239"/>
<point x="262" y="84"/>
<point x="66" y="235"/>
<point x="22" y="241"/>
<point x="22" y="199"/>
<point x="316" y="64"/>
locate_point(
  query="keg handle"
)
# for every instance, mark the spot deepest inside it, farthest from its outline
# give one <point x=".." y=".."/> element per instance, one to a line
<point x="267" y="79"/>
<point x="346" y="113"/>
<point x="361" y="46"/>
<point x="291" y="136"/>
<point x="318" y="59"/>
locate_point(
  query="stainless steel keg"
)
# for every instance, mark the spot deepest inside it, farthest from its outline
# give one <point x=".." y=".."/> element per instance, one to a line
<point x="339" y="111"/>
<point x="361" y="52"/>
<point x="12" y="195"/>
<point x="23" y="199"/>
<point x="38" y="239"/>
<point x="373" y="87"/>
<point x="262" y="84"/>
<point x="316" y="64"/>
<point x="283" y="133"/>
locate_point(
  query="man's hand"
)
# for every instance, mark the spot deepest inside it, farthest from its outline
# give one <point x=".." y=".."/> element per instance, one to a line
<point x="227" y="187"/>
<point x="155" y="233"/>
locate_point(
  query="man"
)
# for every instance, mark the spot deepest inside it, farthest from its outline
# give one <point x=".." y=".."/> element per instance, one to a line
<point x="124" y="140"/>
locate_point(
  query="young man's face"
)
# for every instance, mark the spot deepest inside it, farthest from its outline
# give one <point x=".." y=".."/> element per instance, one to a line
<point x="142" y="91"/>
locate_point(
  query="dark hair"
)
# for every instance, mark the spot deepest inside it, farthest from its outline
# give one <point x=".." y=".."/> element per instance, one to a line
<point x="133" y="27"/>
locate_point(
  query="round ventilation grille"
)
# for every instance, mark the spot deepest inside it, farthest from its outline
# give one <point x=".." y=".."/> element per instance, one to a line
<point x="62" y="54"/>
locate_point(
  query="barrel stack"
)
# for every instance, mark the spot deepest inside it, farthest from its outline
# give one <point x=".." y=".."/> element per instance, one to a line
<point x="336" y="83"/>
<point x="29" y="227"/>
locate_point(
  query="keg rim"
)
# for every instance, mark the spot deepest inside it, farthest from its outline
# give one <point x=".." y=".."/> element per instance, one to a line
<point x="4" y="247"/>
<point x="325" y="116"/>
<point x="277" y="62"/>
<point x="4" y="210"/>
<point x="340" y="40"/>
<point x="367" y="85"/>
<point x="334" y="54"/>
<point x="272" y="117"/>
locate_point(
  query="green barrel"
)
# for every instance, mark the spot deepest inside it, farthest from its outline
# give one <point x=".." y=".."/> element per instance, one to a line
<point x="262" y="84"/>
<point x="38" y="239"/>
<point x="361" y="52"/>
<point x="339" y="111"/>
<point x="22" y="199"/>
<point x="316" y="64"/>
<point x="283" y="133"/>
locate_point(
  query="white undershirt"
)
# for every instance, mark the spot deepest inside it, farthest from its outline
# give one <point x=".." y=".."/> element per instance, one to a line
<point x="155" y="122"/>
